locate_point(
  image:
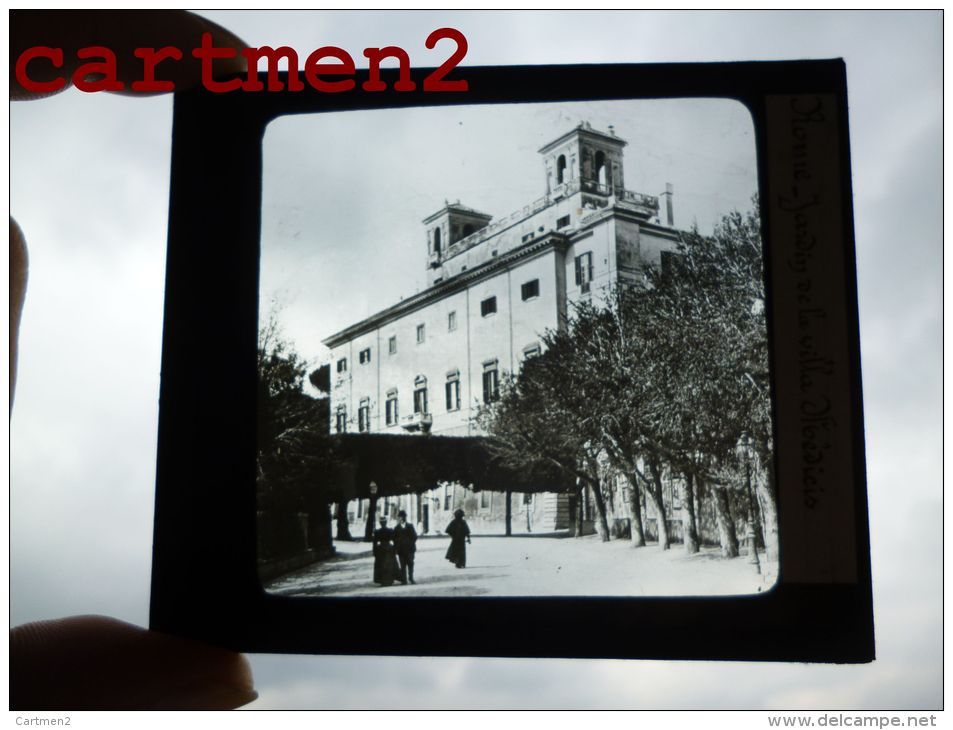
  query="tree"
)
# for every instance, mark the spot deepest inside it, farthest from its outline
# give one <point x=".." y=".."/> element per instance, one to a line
<point x="293" y="449"/>
<point x="661" y="380"/>
<point x="709" y="310"/>
<point x="606" y="359"/>
<point x="539" y="417"/>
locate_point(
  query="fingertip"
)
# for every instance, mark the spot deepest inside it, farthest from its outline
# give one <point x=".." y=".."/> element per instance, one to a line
<point x="96" y="662"/>
<point x="18" y="252"/>
<point x="19" y="266"/>
<point x="122" y="32"/>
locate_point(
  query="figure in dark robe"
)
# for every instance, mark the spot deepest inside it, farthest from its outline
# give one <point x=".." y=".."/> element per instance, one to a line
<point x="405" y="545"/>
<point x="459" y="532"/>
<point x="385" y="562"/>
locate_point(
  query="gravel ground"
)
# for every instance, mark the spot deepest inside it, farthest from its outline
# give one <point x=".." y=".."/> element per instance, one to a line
<point x="542" y="565"/>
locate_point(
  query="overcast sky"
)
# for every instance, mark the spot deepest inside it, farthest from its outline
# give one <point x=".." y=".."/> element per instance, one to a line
<point x="345" y="194"/>
<point x="89" y="185"/>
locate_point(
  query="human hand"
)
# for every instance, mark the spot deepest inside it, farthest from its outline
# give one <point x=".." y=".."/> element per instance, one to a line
<point x="94" y="662"/>
<point x="121" y="31"/>
<point x="100" y="663"/>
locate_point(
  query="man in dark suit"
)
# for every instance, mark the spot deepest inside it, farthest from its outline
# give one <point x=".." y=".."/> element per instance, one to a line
<point x="405" y="544"/>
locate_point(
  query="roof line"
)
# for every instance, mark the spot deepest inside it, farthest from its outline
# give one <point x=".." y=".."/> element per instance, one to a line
<point x="535" y="247"/>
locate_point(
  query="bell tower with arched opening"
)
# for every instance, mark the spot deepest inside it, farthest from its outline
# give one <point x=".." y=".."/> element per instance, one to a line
<point x="584" y="160"/>
<point x="448" y="227"/>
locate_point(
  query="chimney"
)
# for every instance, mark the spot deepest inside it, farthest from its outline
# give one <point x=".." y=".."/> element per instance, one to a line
<point x="669" y="214"/>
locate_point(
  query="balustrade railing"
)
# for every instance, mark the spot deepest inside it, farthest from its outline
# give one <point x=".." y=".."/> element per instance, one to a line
<point x="640" y="199"/>
<point x="563" y="190"/>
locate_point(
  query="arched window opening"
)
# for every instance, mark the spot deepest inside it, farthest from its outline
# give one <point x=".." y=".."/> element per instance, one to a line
<point x="467" y="229"/>
<point x="436" y="240"/>
<point x="601" y="173"/>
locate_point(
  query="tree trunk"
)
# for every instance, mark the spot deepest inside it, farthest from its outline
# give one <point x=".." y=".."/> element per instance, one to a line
<point x="371" y="517"/>
<point x="603" y="522"/>
<point x="689" y="524"/>
<point x="726" y="526"/>
<point x="509" y="514"/>
<point x="764" y="488"/>
<point x="573" y="499"/>
<point x="343" y="528"/>
<point x="625" y="465"/>
<point x="704" y="497"/>
<point x="580" y="512"/>
<point x="654" y="492"/>
<point x="754" y="512"/>
<point x="319" y="530"/>
<point x="637" y="528"/>
<point x="699" y="527"/>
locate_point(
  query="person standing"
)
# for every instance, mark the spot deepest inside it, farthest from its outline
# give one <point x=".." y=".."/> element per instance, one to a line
<point x="459" y="532"/>
<point x="385" y="564"/>
<point x="405" y="544"/>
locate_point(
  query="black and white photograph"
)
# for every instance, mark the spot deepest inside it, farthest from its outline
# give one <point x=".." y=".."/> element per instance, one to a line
<point x="514" y="350"/>
<point x="97" y="183"/>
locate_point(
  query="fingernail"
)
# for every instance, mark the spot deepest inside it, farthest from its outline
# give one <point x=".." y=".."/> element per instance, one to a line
<point x="207" y="697"/>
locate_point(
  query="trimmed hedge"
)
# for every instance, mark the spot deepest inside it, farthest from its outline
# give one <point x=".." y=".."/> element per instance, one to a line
<point x="413" y="464"/>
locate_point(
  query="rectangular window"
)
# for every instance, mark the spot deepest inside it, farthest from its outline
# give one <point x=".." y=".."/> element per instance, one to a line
<point x="562" y="222"/>
<point x="340" y="420"/>
<point x="488" y="306"/>
<point x="342" y="365"/>
<point x="453" y="391"/>
<point x="447" y="498"/>
<point x="484" y="500"/>
<point x="531" y="351"/>
<point x="451" y="321"/>
<point x="421" y="333"/>
<point x="364" y="356"/>
<point x="669" y="262"/>
<point x="584" y="270"/>
<point x="364" y="416"/>
<point x="530" y="289"/>
<point x="392" y="345"/>
<point x="491" y="381"/>
<point x="390" y="408"/>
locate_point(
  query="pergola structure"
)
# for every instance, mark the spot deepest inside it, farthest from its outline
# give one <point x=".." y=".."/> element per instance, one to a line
<point x="399" y="464"/>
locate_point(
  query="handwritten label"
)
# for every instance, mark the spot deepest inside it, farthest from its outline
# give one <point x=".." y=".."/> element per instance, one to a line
<point x="816" y="488"/>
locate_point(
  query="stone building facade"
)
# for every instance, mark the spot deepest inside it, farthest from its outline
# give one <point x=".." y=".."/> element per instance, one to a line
<point x="427" y="363"/>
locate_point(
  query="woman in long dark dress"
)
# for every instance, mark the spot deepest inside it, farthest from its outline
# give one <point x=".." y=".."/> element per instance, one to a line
<point x="459" y="532"/>
<point x="385" y="561"/>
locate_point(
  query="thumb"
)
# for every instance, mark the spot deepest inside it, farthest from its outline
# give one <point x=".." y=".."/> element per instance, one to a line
<point x="18" y="276"/>
<point x="100" y="663"/>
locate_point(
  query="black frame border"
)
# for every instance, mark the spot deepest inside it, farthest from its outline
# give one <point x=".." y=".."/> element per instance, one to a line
<point x="204" y="580"/>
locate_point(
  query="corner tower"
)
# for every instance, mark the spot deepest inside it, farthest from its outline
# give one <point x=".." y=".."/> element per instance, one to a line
<point x="447" y="227"/>
<point x="587" y="160"/>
